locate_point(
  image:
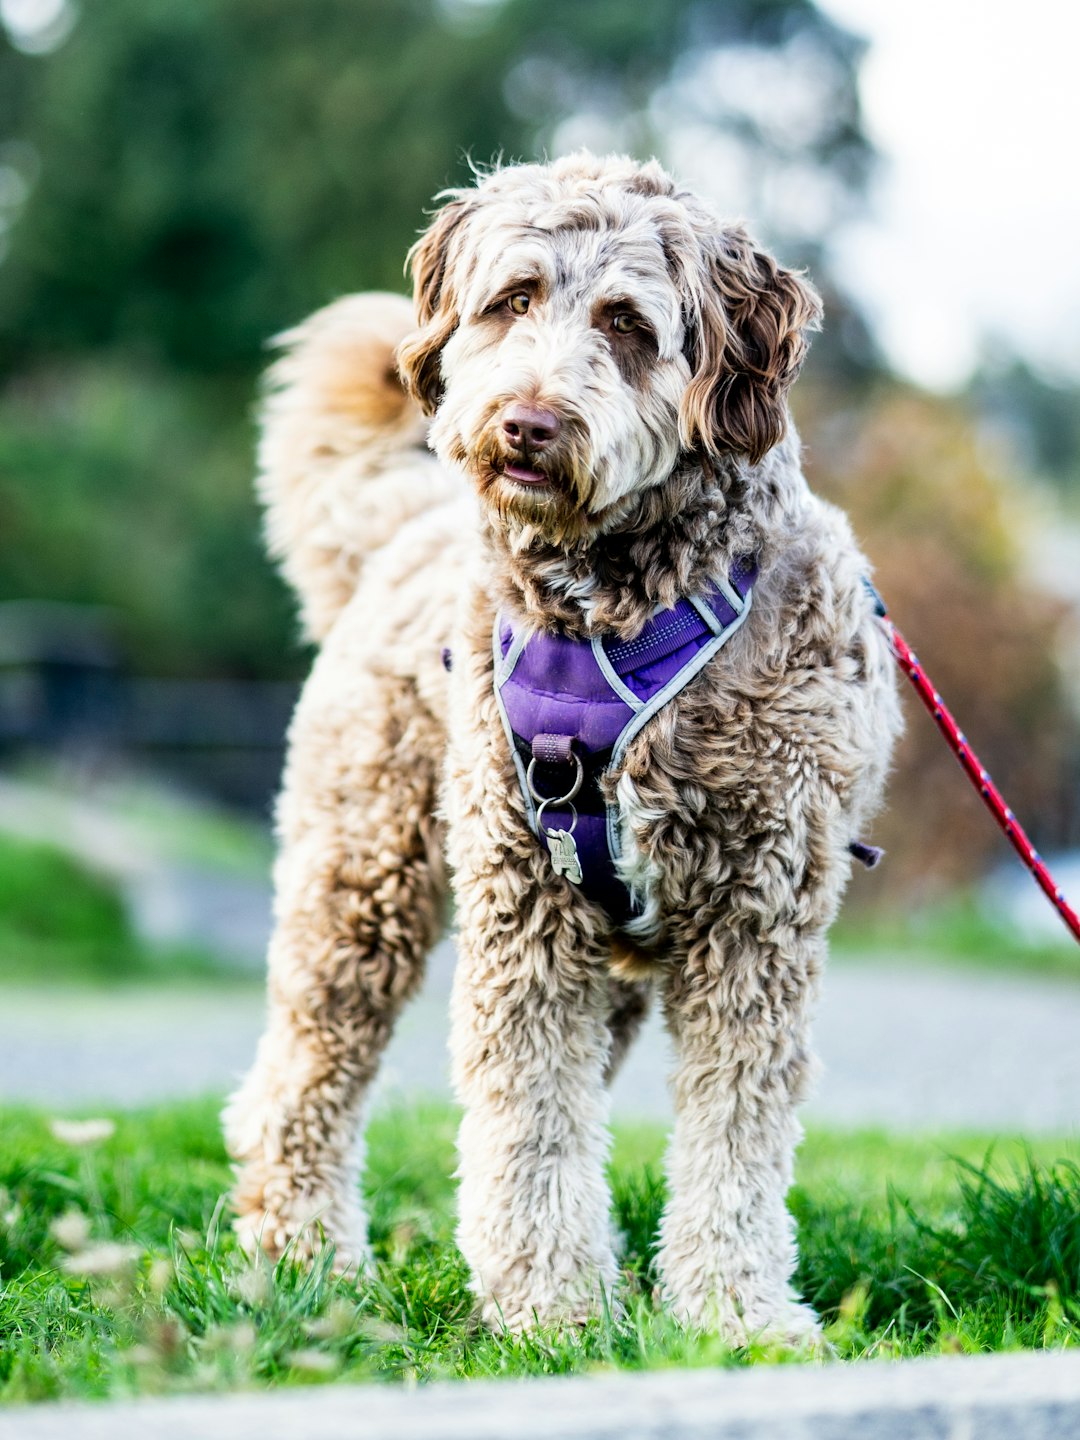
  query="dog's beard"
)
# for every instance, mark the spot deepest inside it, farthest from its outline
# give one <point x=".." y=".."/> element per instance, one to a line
<point x="556" y="508"/>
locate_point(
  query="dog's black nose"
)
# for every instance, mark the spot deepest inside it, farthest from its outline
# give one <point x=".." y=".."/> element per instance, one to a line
<point x="530" y="426"/>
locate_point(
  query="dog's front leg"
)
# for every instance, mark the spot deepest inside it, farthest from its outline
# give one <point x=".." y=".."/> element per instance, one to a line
<point x="738" y="1010"/>
<point x="530" y="1044"/>
<point x="357" y="905"/>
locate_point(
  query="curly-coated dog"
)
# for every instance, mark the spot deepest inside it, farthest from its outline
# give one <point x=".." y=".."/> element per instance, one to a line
<point x="607" y="367"/>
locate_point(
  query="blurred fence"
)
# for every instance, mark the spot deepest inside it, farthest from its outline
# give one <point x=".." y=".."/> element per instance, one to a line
<point x="64" y="689"/>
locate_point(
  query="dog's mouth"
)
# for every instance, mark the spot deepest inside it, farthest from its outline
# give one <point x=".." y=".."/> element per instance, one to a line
<point x="544" y="486"/>
<point x="525" y="474"/>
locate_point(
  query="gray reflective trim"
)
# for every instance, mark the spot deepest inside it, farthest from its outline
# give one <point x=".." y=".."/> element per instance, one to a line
<point x="504" y="668"/>
<point x="677" y="682"/>
<point x="732" y="596"/>
<point x="614" y="843"/>
<point x="612" y="676"/>
<point x="707" y="613"/>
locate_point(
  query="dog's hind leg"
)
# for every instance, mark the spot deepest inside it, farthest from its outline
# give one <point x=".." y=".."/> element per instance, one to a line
<point x="358" y="904"/>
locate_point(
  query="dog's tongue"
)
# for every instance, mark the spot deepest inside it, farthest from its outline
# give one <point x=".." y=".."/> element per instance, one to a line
<point x="524" y="476"/>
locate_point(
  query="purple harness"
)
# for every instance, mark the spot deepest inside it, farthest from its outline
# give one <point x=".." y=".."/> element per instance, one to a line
<point x="571" y="707"/>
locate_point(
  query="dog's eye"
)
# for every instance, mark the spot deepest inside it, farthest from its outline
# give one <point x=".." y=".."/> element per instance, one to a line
<point x="624" y="322"/>
<point x="519" y="303"/>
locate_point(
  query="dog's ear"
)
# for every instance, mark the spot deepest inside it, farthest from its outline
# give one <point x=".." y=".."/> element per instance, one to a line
<point x="430" y="260"/>
<point x="748" y="321"/>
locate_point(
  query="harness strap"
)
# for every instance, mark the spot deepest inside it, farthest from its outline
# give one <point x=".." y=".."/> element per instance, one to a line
<point x="570" y="708"/>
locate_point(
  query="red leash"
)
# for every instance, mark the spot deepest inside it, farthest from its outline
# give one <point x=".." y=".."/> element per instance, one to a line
<point x="974" y="768"/>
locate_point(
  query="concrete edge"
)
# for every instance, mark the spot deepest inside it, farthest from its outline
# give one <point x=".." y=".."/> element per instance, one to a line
<point x="1031" y="1395"/>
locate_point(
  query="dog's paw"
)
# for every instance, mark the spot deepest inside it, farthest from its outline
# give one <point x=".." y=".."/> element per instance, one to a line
<point x="516" y="1311"/>
<point x="785" y="1325"/>
<point x="518" y="1317"/>
<point x="796" y="1327"/>
<point x="272" y="1221"/>
<point x="263" y="1232"/>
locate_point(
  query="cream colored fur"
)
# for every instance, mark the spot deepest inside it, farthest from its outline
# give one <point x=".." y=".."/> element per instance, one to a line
<point x="674" y="456"/>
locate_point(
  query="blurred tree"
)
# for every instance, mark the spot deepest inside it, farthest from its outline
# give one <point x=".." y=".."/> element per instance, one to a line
<point x="179" y="179"/>
<point x="124" y="489"/>
<point x="198" y="174"/>
<point x="949" y="538"/>
<point x="1037" y="414"/>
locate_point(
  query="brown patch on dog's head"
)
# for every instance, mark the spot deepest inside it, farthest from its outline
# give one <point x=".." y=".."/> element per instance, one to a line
<point x="634" y="351"/>
<point x="419" y="355"/>
<point x="748" y="321"/>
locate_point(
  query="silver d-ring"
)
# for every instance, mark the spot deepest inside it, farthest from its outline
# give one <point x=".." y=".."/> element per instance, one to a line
<point x="556" y="799"/>
<point x="540" y="817"/>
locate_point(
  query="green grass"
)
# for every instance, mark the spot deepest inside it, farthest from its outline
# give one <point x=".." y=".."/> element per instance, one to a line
<point x="904" y="1251"/>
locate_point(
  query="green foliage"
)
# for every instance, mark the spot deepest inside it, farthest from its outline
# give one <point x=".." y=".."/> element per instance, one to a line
<point x="123" y="489"/>
<point x="210" y="171"/>
<point x="57" y="917"/>
<point x="980" y="1258"/>
<point x="61" y="921"/>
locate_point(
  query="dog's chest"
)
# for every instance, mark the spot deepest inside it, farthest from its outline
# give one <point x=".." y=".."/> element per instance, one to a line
<point x="570" y="708"/>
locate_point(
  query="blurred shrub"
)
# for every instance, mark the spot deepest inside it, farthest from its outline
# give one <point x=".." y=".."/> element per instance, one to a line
<point x="122" y="487"/>
<point x="57" y="918"/>
<point x="1039" y="414"/>
<point x="60" y="920"/>
<point x="946" y="532"/>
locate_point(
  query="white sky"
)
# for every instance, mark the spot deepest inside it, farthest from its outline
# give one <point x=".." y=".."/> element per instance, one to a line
<point x="975" y="105"/>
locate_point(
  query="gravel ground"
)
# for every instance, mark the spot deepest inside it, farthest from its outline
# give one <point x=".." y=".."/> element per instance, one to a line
<point x="905" y="1048"/>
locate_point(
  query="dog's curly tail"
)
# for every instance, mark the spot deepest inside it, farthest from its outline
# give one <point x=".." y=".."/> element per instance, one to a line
<point x="342" y="458"/>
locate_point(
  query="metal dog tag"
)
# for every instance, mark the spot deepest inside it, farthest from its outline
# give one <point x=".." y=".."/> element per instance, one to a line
<point x="564" y="856"/>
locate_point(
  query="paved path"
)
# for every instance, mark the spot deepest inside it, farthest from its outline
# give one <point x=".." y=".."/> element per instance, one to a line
<point x="971" y="1397"/>
<point x="908" y="1049"/>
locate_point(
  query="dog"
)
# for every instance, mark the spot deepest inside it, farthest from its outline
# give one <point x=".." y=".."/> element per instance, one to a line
<point x="601" y="368"/>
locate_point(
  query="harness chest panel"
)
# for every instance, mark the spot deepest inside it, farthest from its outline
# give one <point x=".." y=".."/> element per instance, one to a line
<point x="570" y="708"/>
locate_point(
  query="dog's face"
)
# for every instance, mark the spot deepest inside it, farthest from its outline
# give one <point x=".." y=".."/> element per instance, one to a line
<point x="584" y="323"/>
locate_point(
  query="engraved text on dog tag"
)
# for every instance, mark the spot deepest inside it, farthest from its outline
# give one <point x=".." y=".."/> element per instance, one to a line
<point x="564" y="856"/>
